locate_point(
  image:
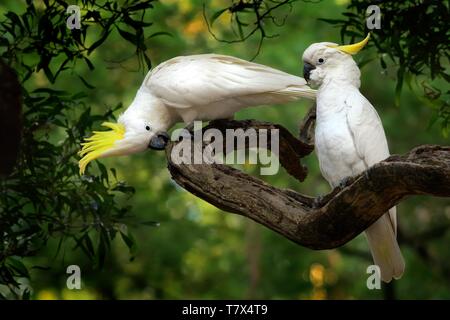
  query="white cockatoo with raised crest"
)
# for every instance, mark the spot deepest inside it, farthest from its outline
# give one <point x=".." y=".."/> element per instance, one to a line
<point x="189" y="88"/>
<point x="349" y="137"/>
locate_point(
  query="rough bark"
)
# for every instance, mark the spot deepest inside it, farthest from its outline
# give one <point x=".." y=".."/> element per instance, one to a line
<point x="326" y="222"/>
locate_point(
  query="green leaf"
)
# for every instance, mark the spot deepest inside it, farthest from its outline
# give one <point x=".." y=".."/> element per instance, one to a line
<point x="89" y="246"/>
<point x="383" y="63"/>
<point x="99" y="41"/>
<point x="50" y="91"/>
<point x="4" y="42"/>
<point x="89" y="63"/>
<point x="18" y="267"/>
<point x="94" y="14"/>
<point x="88" y="85"/>
<point x="331" y="21"/>
<point x="80" y="243"/>
<point x="139" y="6"/>
<point x="160" y="33"/>
<point x="44" y="268"/>
<point x="399" y="85"/>
<point x="103" y="247"/>
<point x="128" y="36"/>
<point x="26" y="294"/>
<point x="84" y="118"/>
<point x="15" y="20"/>
<point x="79" y="95"/>
<point x="364" y="62"/>
<point x="136" y="24"/>
<point x="240" y="29"/>
<point x="150" y="223"/>
<point x="130" y="242"/>
<point x="103" y="172"/>
<point x="114" y="173"/>
<point x="123" y="188"/>
<point x="147" y="60"/>
<point x="49" y="74"/>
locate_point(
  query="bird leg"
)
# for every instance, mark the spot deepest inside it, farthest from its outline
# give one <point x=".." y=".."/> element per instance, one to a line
<point x="345" y="182"/>
<point x="190" y="127"/>
<point x="320" y="201"/>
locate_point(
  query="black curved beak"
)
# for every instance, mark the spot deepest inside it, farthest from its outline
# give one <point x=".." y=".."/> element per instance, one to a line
<point x="307" y="68"/>
<point x="159" y="141"/>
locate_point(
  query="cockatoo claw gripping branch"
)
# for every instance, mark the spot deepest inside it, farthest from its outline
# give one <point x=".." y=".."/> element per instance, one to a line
<point x="343" y="213"/>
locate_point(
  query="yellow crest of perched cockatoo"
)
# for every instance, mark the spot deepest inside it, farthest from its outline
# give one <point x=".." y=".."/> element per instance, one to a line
<point x="188" y="88"/>
<point x="349" y="137"/>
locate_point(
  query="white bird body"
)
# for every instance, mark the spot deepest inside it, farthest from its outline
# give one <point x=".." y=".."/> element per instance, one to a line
<point x="188" y="88"/>
<point x="211" y="86"/>
<point x="349" y="138"/>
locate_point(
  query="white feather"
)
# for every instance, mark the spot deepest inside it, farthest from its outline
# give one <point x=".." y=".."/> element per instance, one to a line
<point x="192" y="81"/>
<point x="211" y="86"/>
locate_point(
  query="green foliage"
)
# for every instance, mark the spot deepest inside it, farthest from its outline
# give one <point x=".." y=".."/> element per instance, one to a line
<point x="250" y="18"/>
<point x="44" y="31"/>
<point x="414" y="36"/>
<point x="45" y="197"/>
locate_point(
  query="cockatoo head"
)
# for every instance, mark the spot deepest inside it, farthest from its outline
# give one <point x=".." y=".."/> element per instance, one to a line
<point x="137" y="129"/>
<point x="327" y="60"/>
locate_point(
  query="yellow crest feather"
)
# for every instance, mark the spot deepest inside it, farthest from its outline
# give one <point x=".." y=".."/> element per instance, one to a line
<point x="353" y="48"/>
<point x="98" y="143"/>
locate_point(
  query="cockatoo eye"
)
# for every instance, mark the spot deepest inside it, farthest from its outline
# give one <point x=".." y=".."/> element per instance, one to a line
<point x="320" y="61"/>
<point x="147" y="128"/>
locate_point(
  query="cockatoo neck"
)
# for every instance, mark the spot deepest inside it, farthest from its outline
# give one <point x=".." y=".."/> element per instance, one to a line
<point x="146" y="107"/>
<point x="345" y="73"/>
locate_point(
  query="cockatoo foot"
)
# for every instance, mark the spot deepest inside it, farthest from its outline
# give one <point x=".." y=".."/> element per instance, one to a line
<point x="345" y="182"/>
<point x="318" y="202"/>
<point x="190" y="127"/>
<point x="368" y="173"/>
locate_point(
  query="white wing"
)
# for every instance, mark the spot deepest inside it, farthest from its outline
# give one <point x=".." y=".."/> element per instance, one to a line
<point x="368" y="134"/>
<point x="366" y="128"/>
<point x="190" y="81"/>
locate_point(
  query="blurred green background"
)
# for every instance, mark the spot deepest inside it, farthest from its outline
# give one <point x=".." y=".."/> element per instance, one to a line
<point x="201" y="252"/>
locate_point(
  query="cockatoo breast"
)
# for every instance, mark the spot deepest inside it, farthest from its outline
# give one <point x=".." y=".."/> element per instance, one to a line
<point x="334" y="142"/>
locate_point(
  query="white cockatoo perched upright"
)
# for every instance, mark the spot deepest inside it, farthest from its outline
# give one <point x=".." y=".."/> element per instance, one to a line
<point x="349" y="137"/>
<point x="188" y="88"/>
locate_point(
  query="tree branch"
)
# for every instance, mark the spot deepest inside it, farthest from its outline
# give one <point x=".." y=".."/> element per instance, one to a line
<point x="344" y="212"/>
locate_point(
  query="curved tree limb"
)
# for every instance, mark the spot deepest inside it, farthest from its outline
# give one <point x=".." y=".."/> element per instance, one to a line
<point x="342" y="214"/>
